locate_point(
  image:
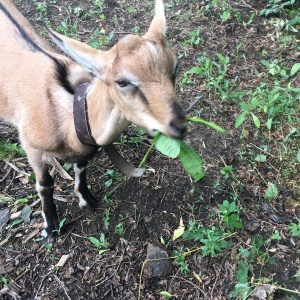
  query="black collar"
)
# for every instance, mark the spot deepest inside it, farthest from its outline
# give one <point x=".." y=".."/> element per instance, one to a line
<point x="81" y="119"/>
<point x="83" y="131"/>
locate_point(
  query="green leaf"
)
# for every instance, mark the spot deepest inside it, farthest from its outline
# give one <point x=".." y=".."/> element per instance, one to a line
<point x="166" y="294"/>
<point x="196" y="70"/>
<point x="296" y="277"/>
<point x="67" y="166"/>
<point x="95" y="241"/>
<point x="261" y="158"/>
<point x="269" y="123"/>
<point x="295" y="69"/>
<point x="265" y="63"/>
<point x="255" y="120"/>
<point x="191" y="162"/>
<point x="272" y="191"/>
<point x="240" y="119"/>
<point x="298" y="155"/>
<point x="241" y="290"/>
<point x="61" y="223"/>
<point x="25" y="213"/>
<point x="210" y="124"/>
<point x="232" y="207"/>
<point x="167" y="145"/>
<point x="241" y="273"/>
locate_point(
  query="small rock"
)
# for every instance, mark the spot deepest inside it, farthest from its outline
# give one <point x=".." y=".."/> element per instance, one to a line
<point x="158" y="265"/>
<point x="252" y="226"/>
<point x="263" y="292"/>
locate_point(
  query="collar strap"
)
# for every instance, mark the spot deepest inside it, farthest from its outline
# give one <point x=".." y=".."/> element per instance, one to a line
<point x="81" y="119"/>
<point x="84" y="134"/>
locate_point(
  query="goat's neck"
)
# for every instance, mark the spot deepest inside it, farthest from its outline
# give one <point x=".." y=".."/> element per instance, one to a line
<point x="106" y="119"/>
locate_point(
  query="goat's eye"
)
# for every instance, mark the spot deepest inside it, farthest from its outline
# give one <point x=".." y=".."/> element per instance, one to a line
<point x="122" y="83"/>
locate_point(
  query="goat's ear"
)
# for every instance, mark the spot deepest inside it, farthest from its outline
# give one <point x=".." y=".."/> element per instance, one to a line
<point x="158" y="24"/>
<point x="94" y="60"/>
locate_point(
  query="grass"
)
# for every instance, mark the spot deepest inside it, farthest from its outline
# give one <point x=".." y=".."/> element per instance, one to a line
<point x="10" y="150"/>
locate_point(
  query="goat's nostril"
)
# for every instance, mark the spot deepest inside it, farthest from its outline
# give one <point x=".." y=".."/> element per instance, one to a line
<point x="178" y="128"/>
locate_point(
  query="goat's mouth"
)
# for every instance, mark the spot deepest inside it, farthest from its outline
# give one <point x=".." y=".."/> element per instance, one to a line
<point x="173" y="131"/>
<point x="178" y="129"/>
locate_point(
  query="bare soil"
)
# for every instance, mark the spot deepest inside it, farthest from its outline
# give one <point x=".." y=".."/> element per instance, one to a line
<point x="150" y="208"/>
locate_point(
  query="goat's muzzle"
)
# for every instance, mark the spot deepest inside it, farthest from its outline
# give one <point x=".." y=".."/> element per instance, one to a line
<point x="178" y="124"/>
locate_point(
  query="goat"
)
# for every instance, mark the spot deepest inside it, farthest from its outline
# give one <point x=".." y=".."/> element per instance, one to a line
<point x="133" y="82"/>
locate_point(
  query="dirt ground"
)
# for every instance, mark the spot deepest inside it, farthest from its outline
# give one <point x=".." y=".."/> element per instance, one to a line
<point x="149" y="209"/>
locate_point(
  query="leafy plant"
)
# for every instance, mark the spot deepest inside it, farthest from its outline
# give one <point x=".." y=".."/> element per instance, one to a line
<point x="272" y="101"/>
<point x="70" y="30"/>
<point x="10" y="150"/>
<point x="242" y="288"/>
<point x="48" y="246"/>
<point x="194" y="39"/>
<point x="4" y="280"/>
<point x="229" y="215"/>
<point x="120" y="226"/>
<point x="213" y="239"/>
<point x="180" y="262"/>
<point x="106" y="219"/>
<point x="60" y="225"/>
<point x="272" y="191"/>
<point x="295" y="229"/>
<point x="276" y="6"/>
<point x="101" y="244"/>
<point x="214" y="74"/>
<point x="166" y="294"/>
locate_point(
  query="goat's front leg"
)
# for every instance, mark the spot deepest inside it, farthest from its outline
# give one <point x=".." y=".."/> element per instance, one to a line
<point x="86" y="199"/>
<point x="45" y="187"/>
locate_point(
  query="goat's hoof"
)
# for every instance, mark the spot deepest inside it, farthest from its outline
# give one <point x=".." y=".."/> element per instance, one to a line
<point x="46" y="237"/>
<point x="88" y="201"/>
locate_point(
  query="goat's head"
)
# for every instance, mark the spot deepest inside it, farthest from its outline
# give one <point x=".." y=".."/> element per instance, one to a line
<point x="140" y="73"/>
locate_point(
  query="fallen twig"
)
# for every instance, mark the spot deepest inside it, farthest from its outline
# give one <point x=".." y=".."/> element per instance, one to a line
<point x="53" y="161"/>
<point x="16" y="168"/>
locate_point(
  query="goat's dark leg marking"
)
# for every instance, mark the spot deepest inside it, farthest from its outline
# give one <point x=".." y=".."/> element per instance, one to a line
<point x="45" y="189"/>
<point x="86" y="199"/>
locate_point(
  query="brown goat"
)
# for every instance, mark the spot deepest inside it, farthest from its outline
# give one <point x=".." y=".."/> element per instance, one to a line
<point x="131" y="82"/>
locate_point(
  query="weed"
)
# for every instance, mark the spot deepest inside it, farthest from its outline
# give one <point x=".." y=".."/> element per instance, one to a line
<point x="180" y="262"/>
<point x="106" y="219"/>
<point x="227" y="172"/>
<point x="276" y="6"/>
<point x="98" y="38"/>
<point x="60" y="225"/>
<point x="120" y="227"/>
<point x="194" y="39"/>
<point x="107" y="198"/>
<point x="48" y="246"/>
<point x="225" y="15"/>
<point x="273" y="101"/>
<point x="272" y="191"/>
<point x="11" y="150"/>
<point x="229" y="215"/>
<point x="4" y="280"/>
<point x="213" y="239"/>
<point x="214" y="73"/>
<point x="295" y="228"/>
<point x="70" y="30"/>
<point x="15" y="205"/>
<point x="101" y="244"/>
